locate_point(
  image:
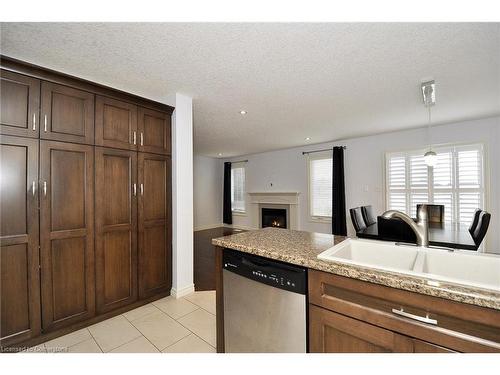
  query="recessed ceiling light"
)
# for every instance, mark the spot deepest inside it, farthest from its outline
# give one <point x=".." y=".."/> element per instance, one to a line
<point x="243" y="112"/>
<point x="220" y="154"/>
<point x="308" y="138"/>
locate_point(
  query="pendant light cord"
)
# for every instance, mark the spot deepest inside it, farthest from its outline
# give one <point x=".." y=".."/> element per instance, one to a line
<point x="429" y="129"/>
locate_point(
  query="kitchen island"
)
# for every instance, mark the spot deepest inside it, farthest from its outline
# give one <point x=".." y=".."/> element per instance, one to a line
<point x="353" y="308"/>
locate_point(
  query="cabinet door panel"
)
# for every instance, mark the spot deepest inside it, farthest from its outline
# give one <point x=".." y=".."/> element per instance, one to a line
<point x="155" y="250"/>
<point x="67" y="114"/>
<point x="20" y="99"/>
<point x="67" y="233"/>
<point x="154" y="131"/>
<point x="334" y="333"/>
<point x="19" y="259"/>
<point x="116" y="228"/>
<point x="115" y="124"/>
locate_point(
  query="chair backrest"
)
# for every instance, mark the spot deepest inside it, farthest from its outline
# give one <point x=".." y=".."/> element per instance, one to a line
<point x="357" y="219"/>
<point x="368" y="217"/>
<point x="435" y="212"/>
<point x="481" y="228"/>
<point x="475" y="219"/>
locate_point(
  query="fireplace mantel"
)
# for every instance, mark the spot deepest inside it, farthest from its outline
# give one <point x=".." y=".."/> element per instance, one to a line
<point x="274" y="199"/>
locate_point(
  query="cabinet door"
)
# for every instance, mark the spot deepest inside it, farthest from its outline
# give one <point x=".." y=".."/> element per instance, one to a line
<point x="155" y="249"/>
<point x="116" y="228"/>
<point x="330" y="332"/>
<point x="154" y="131"/>
<point x="66" y="233"/>
<point x="20" y="100"/>
<point x="20" y="283"/>
<point x="115" y="124"/>
<point x="67" y="114"/>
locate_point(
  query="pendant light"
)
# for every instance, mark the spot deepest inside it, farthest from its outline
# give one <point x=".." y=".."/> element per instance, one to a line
<point x="429" y="96"/>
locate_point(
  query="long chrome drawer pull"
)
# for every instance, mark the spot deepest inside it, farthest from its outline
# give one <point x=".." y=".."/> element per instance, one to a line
<point x="45" y="123"/>
<point x="135" y="189"/>
<point x="45" y="188"/>
<point x="142" y="189"/>
<point x="142" y="139"/>
<point x="135" y="137"/>
<point x="34" y="121"/>
<point x="33" y="187"/>
<point x="424" y="319"/>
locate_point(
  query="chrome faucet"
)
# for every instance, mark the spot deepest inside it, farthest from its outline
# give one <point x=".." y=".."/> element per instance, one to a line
<point x="421" y="227"/>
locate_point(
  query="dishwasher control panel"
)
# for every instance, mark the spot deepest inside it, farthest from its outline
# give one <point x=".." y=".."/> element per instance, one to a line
<point x="274" y="273"/>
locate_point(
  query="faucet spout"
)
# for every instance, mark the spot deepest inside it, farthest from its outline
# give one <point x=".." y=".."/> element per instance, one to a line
<point x="420" y="227"/>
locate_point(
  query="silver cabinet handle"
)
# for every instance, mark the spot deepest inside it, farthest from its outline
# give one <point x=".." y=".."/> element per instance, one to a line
<point x="135" y="137"/>
<point x="142" y="189"/>
<point x="424" y="319"/>
<point x="44" y="122"/>
<point x="135" y="189"/>
<point x="33" y="187"/>
<point x="142" y="139"/>
<point x="45" y="188"/>
<point x="34" y="121"/>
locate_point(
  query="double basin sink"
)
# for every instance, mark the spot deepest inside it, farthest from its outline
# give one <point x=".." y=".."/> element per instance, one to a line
<point x="459" y="266"/>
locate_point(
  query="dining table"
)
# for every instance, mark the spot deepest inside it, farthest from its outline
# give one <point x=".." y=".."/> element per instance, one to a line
<point x="449" y="235"/>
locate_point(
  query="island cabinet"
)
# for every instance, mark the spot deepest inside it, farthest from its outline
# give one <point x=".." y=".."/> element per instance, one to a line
<point x="85" y="197"/>
<point x="352" y="316"/>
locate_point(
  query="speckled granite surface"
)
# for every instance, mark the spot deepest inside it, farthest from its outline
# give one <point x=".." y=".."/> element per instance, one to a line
<point x="302" y="248"/>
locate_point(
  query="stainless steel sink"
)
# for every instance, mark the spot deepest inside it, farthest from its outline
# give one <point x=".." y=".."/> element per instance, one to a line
<point x="461" y="267"/>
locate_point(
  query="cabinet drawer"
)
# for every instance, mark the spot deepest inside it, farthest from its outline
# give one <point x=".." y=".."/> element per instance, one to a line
<point x="454" y="325"/>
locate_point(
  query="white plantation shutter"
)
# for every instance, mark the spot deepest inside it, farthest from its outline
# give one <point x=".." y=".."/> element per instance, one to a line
<point x="456" y="181"/>
<point x="397" y="183"/>
<point x="238" y="187"/>
<point x="320" y="180"/>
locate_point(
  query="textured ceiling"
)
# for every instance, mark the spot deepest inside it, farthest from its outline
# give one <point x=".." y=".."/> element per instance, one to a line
<point x="324" y="81"/>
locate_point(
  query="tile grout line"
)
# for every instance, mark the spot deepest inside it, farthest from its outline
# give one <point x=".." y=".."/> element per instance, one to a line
<point x="93" y="338"/>
<point x="197" y="335"/>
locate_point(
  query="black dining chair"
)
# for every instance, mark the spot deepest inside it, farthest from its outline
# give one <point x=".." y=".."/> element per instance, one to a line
<point x="367" y="212"/>
<point x="357" y="219"/>
<point x="475" y="220"/>
<point x="479" y="232"/>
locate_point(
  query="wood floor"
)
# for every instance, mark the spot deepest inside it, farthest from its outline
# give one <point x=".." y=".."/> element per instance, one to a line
<point x="204" y="256"/>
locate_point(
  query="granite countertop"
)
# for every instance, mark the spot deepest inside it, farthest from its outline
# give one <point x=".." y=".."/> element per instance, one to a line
<point x="302" y="248"/>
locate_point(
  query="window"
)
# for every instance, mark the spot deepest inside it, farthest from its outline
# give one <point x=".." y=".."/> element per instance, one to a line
<point x="320" y="187"/>
<point x="238" y="187"/>
<point x="456" y="181"/>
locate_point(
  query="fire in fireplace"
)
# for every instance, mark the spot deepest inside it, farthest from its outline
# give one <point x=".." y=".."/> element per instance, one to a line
<point x="274" y="217"/>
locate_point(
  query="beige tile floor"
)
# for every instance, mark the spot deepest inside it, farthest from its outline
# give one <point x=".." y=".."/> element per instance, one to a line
<point x="169" y="325"/>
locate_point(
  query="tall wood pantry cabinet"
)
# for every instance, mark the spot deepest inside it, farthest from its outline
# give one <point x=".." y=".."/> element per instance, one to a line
<point x="85" y="202"/>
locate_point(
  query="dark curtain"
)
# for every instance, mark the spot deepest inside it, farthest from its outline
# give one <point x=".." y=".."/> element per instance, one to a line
<point x="339" y="225"/>
<point x="226" y="204"/>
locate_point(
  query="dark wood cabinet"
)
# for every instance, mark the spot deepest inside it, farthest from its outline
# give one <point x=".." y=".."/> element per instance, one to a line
<point x="154" y="224"/>
<point x="353" y="314"/>
<point x="116" y="228"/>
<point x="334" y="333"/>
<point x="154" y="131"/>
<point x="20" y="101"/>
<point x="115" y="123"/>
<point x="67" y="114"/>
<point x="85" y="222"/>
<point x="20" y="282"/>
<point x="66" y="233"/>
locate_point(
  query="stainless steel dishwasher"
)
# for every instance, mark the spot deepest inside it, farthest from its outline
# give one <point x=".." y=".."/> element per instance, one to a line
<point x="264" y="305"/>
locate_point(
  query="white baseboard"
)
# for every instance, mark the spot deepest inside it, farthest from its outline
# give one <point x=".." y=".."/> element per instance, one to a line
<point x="182" y="292"/>
<point x="209" y="226"/>
<point x="243" y="227"/>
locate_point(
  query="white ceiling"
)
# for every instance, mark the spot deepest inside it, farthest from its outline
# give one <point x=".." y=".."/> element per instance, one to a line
<point x="324" y="81"/>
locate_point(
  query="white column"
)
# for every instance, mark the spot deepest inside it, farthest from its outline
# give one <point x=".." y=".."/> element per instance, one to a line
<point x="182" y="197"/>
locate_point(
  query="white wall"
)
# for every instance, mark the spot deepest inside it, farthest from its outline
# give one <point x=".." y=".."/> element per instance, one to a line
<point x="182" y="196"/>
<point x="208" y="176"/>
<point x="364" y="165"/>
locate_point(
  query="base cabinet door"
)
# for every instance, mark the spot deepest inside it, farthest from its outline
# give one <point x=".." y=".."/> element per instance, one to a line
<point x="330" y="332"/>
<point x="155" y="249"/>
<point x="67" y="114"/>
<point x="19" y="261"/>
<point x="66" y="233"/>
<point x="116" y="228"/>
<point x="154" y="131"/>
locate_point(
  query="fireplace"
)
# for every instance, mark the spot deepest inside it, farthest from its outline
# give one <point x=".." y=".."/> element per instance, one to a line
<point x="274" y="217"/>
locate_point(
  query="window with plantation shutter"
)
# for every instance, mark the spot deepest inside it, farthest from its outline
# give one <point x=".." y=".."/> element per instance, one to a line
<point x="320" y="186"/>
<point x="456" y="181"/>
<point x="238" y="187"/>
